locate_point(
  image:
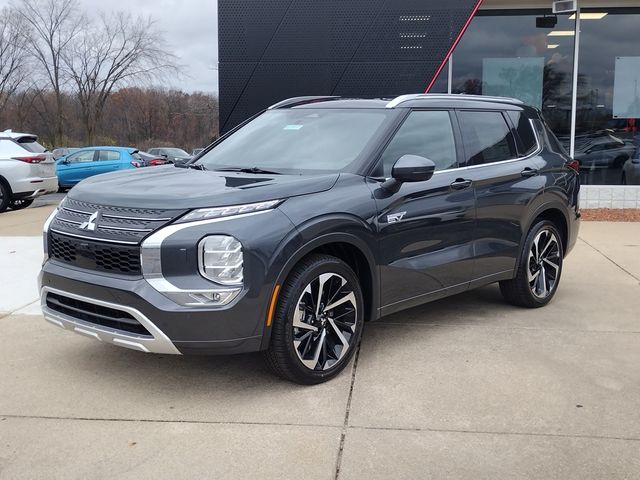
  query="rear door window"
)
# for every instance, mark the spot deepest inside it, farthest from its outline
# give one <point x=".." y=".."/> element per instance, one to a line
<point x="108" y="155"/>
<point x="487" y="137"/>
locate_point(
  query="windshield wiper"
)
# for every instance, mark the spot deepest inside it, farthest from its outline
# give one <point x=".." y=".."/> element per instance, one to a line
<point x="189" y="165"/>
<point x="247" y="170"/>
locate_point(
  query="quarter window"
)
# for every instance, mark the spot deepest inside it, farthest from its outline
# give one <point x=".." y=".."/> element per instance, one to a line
<point x="528" y="143"/>
<point x="487" y="137"/>
<point x="428" y="134"/>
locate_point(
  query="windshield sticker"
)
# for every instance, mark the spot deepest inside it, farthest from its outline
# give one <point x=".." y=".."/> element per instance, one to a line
<point x="293" y="127"/>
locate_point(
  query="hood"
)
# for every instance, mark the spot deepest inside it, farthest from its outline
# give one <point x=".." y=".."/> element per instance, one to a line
<point x="171" y="187"/>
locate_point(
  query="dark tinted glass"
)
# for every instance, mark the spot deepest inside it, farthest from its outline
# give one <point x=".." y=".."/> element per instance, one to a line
<point x="487" y="137"/>
<point x="106" y="155"/>
<point x="428" y="134"/>
<point x="528" y="143"/>
<point x="30" y="144"/>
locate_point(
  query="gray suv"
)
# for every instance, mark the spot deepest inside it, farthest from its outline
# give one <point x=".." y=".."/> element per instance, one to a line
<point x="290" y="232"/>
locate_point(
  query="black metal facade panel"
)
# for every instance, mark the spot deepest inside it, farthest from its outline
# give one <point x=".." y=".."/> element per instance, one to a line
<point x="274" y="49"/>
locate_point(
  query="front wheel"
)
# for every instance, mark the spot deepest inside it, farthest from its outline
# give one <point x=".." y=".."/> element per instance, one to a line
<point x="318" y="321"/>
<point x="540" y="267"/>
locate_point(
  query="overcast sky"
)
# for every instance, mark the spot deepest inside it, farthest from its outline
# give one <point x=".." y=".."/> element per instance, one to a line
<point x="191" y="33"/>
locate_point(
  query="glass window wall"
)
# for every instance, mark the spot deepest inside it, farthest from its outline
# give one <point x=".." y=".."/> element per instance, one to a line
<point x="520" y="53"/>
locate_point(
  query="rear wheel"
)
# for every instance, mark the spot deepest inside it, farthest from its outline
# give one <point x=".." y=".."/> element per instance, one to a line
<point x="5" y="196"/>
<point x="540" y="268"/>
<point x="20" y="203"/>
<point x="318" y="321"/>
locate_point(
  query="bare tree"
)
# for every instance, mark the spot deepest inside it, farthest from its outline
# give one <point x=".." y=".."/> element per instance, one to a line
<point x="53" y="24"/>
<point x="116" y="51"/>
<point x="13" y="61"/>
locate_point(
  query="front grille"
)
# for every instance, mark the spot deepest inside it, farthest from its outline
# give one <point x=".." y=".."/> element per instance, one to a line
<point x="121" y="259"/>
<point x="95" y="314"/>
<point x="108" y="223"/>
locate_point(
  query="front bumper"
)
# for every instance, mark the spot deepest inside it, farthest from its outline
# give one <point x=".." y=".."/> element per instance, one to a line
<point x="236" y="328"/>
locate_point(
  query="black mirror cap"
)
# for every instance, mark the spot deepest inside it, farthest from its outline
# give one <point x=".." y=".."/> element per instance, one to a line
<point x="413" y="168"/>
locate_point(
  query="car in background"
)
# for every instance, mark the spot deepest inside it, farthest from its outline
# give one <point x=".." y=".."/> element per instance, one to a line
<point x="603" y="150"/>
<point x="90" y="161"/>
<point x="27" y="170"/>
<point x="631" y="170"/>
<point x="196" y="151"/>
<point x="63" y="152"/>
<point x="149" y="160"/>
<point x="170" y="153"/>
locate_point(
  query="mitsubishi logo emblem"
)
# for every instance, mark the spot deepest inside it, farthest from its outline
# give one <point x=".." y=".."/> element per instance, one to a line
<point x="91" y="223"/>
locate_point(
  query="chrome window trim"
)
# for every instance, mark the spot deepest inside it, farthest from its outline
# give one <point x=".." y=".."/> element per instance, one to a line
<point x="509" y="160"/>
<point x="157" y="343"/>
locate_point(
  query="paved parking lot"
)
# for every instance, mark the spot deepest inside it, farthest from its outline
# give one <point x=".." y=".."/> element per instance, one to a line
<point x="467" y="387"/>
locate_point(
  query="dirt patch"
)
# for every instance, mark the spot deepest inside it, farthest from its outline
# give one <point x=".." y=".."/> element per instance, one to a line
<point x="611" y="214"/>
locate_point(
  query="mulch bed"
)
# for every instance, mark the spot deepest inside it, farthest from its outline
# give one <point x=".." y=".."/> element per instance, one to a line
<point x="611" y="214"/>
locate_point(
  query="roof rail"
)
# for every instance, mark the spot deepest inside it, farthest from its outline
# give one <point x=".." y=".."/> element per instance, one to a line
<point x="295" y="101"/>
<point x="416" y="96"/>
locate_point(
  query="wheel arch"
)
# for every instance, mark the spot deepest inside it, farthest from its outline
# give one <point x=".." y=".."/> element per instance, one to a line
<point x="6" y="183"/>
<point x="350" y="248"/>
<point x="554" y="211"/>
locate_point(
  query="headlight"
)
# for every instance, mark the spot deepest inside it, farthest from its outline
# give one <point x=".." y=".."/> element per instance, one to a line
<point x="218" y="212"/>
<point x="220" y="259"/>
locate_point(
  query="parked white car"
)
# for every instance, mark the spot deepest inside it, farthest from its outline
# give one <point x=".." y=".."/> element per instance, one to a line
<point x="27" y="170"/>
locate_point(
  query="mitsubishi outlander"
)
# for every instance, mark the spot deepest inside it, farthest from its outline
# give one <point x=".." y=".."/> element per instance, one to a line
<point x="294" y="229"/>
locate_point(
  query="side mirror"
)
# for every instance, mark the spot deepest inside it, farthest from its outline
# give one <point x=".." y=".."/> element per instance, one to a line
<point x="65" y="161"/>
<point x="409" y="168"/>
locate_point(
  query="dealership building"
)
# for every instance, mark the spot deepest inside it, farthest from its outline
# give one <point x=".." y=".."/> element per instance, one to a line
<point x="581" y="68"/>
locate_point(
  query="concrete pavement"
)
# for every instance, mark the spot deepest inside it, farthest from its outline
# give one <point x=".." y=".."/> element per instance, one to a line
<point x="466" y="387"/>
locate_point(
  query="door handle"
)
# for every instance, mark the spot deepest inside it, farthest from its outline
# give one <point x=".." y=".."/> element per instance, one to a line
<point x="461" y="184"/>
<point x="529" y="172"/>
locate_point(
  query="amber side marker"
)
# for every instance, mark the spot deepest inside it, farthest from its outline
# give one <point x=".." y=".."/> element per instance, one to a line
<point x="272" y="305"/>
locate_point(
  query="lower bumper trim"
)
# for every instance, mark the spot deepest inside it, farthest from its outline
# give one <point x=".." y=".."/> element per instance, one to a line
<point x="156" y="342"/>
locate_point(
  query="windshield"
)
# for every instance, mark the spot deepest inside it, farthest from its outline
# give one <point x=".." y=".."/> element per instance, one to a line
<point x="299" y="140"/>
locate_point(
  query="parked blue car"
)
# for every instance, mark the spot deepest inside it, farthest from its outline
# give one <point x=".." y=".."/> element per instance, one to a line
<point x="89" y="161"/>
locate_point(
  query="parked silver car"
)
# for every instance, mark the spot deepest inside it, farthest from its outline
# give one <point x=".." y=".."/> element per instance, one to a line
<point x="27" y="170"/>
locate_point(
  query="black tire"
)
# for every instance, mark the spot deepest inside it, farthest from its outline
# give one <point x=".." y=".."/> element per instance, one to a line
<point x="286" y="359"/>
<point x="537" y="293"/>
<point x="20" y="204"/>
<point x="5" y="196"/>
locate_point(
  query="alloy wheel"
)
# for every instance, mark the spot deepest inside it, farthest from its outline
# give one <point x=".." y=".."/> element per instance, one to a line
<point x="543" y="266"/>
<point x="324" y="321"/>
